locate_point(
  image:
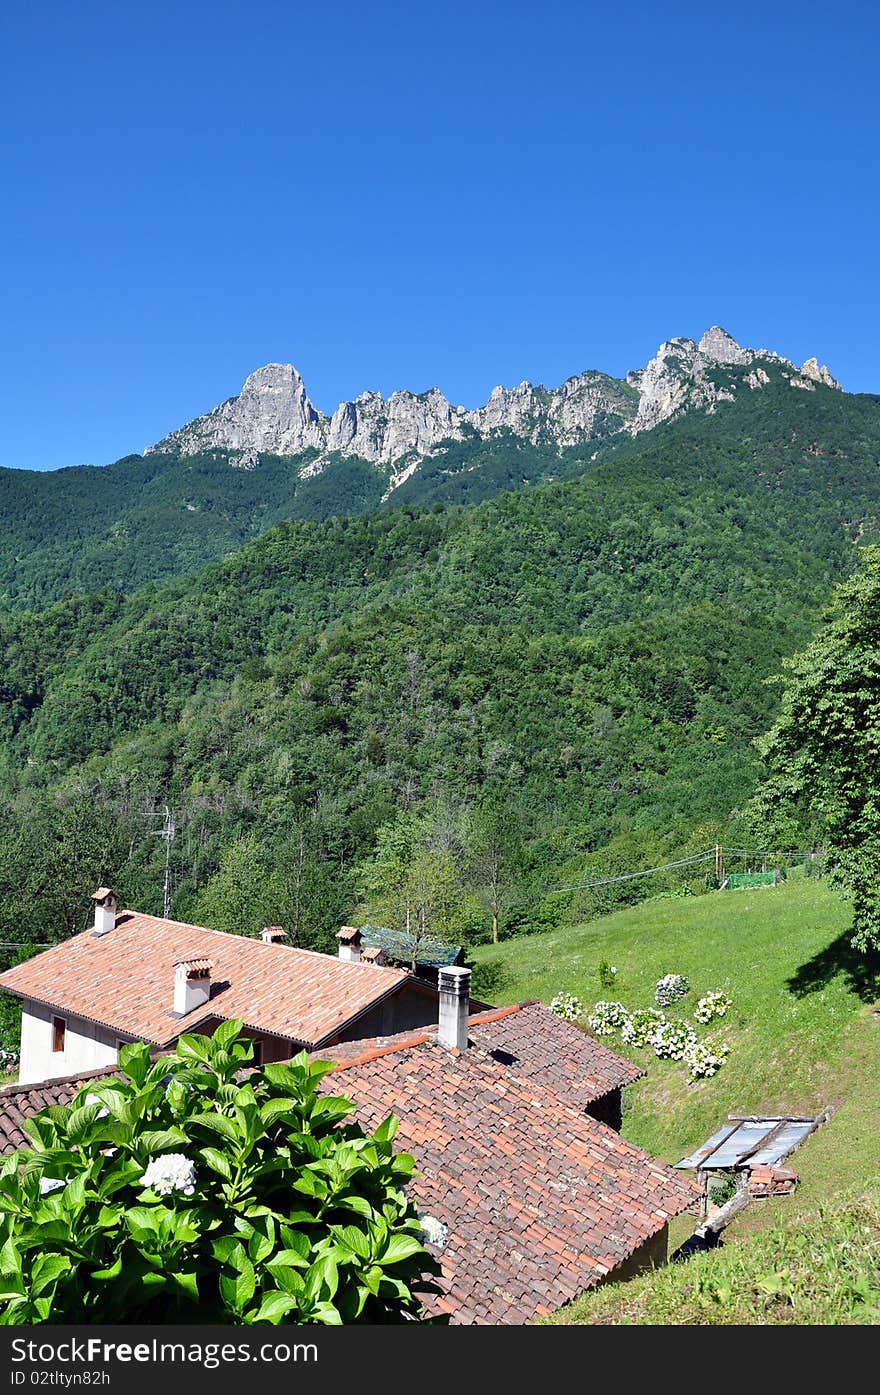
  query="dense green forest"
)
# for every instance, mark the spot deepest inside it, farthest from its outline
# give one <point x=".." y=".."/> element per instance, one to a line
<point x="147" y="518"/>
<point x="470" y="703"/>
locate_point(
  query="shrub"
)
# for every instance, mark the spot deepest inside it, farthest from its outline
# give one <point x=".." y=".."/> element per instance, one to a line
<point x="711" y="1005"/>
<point x="607" y="974"/>
<point x="705" y="1058"/>
<point x="567" y="1006"/>
<point x="670" y="988"/>
<point x="182" y="1193"/>
<point x="607" y="1018"/>
<point x="672" y="1038"/>
<point x="640" y="1028"/>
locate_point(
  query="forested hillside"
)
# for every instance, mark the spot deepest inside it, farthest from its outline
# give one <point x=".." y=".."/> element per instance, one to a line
<point x="583" y="659"/>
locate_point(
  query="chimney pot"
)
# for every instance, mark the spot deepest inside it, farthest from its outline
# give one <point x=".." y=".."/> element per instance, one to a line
<point x="105" y="910"/>
<point x="192" y="985"/>
<point x="455" y="996"/>
<point x="349" y="938"/>
<point x="273" y="934"/>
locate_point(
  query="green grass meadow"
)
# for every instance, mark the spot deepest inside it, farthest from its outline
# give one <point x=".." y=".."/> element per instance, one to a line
<point x="803" y="1037"/>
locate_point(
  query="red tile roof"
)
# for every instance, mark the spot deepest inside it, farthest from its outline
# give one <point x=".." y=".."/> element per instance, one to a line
<point x="534" y="1041"/>
<point x="20" y="1102"/>
<point x="540" y="1200"/>
<point x="125" y="980"/>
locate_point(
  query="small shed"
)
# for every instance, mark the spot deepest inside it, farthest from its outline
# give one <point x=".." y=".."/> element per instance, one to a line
<point x="431" y="957"/>
<point x="747" y="1142"/>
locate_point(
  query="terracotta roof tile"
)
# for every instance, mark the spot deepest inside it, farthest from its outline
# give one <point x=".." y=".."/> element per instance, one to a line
<point x="125" y="980"/>
<point x="541" y="1200"/>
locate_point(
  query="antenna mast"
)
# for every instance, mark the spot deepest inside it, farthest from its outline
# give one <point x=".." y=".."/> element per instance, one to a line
<point x="166" y="833"/>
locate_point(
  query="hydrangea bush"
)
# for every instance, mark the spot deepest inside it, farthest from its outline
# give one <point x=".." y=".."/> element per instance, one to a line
<point x="705" y="1058"/>
<point x="640" y="1027"/>
<point x="710" y="1006"/>
<point x="185" y="1191"/>
<point x="567" y="1006"/>
<point x="670" y="989"/>
<point x="672" y="1039"/>
<point x="607" y="1018"/>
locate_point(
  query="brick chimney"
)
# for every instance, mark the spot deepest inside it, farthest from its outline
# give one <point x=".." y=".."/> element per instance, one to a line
<point x="455" y="997"/>
<point x="105" y="910"/>
<point x="349" y="938"/>
<point x="192" y="985"/>
<point x="273" y="934"/>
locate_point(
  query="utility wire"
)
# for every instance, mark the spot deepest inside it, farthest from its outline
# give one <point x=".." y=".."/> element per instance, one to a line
<point x="630" y="876"/>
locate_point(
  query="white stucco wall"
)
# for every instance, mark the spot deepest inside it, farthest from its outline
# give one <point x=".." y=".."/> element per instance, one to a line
<point x="86" y="1046"/>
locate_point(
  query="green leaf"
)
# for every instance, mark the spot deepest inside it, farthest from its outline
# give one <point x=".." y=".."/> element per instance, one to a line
<point x="289" y="1280"/>
<point x="401" y="1247"/>
<point x="218" y="1123"/>
<point x="153" y="1141"/>
<point x="288" y="1259"/>
<point x="386" y="1130"/>
<point x="275" y="1306"/>
<point x="134" y="1061"/>
<point x="226" y="1033"/>
<point x="81" y="1120"/>
<point x="239" y="1289"/>
<point x="355" y="1240"/>
<point x="217" y="1161"/>
<point x="187" y="1283"/>
<point x="193" y="1047"/>
<point x="295" y="1240"/>
<point x="47" y="1269"/>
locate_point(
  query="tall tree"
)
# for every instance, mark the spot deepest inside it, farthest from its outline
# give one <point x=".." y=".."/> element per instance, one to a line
<point x="244" y="894"/>
<point x="822" y="753"/>
<point x="497" y="854"/>
<point x="412" y="887"/>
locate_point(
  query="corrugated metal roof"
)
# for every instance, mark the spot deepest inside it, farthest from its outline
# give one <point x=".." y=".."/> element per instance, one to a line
<point x="750" y="1142"/>
<point x="399" y="947"/>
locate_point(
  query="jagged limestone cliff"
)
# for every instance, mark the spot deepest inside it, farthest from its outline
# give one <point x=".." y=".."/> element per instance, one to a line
<point x="273" y="412"/>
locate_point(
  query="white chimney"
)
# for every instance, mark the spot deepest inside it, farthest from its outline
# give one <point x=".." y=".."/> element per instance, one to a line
<point x="105" y="910"/>
<point x="349" y="938"/>
<point x="273" y="934"/>
<point x="192" y="985"/>
<point x="455" y="997"/>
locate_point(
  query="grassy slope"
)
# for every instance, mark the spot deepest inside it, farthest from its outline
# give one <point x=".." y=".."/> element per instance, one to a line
<point x="824" y="1273"/>
<point x="794" y="999"/>
<point x="803" y="1036"/>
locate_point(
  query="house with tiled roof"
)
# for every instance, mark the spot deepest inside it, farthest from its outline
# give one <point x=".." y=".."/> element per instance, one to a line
<point x="531" y="1197"/>
<point x="136" y="977"/>
<point x="528" y="1199"/>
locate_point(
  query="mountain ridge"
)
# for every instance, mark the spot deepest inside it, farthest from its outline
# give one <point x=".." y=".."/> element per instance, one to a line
<point x="273" y="412"/>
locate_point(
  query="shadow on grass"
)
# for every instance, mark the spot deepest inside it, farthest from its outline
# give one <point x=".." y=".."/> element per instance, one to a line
<point x="859" y="968"/>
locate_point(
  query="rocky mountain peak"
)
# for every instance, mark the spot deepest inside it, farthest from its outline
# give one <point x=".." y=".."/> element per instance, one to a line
<point x="720" y="347"/>
<point x="273" y="412"/>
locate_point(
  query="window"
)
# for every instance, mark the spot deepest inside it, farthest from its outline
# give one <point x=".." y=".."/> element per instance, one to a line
<point x="258" y="1053"/>
<point x="59" y="1029"/>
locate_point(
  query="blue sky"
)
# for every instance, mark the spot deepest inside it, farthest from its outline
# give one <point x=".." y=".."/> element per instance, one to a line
<point x="401" y="195"/>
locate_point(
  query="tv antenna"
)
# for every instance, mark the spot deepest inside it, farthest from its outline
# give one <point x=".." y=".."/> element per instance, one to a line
<point x="166" y="833"/>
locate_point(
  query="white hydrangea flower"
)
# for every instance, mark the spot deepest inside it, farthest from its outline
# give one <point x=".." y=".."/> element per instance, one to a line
<point x="567" y="1006"/>
<point x="434" y="1232"/>
<point x="169" y="1173"/>
<point x="711" y="1005"/>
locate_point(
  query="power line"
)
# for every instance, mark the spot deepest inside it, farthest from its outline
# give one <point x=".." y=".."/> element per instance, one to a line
<point x="681" y="862"/>
<point x="631" y="876"/>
